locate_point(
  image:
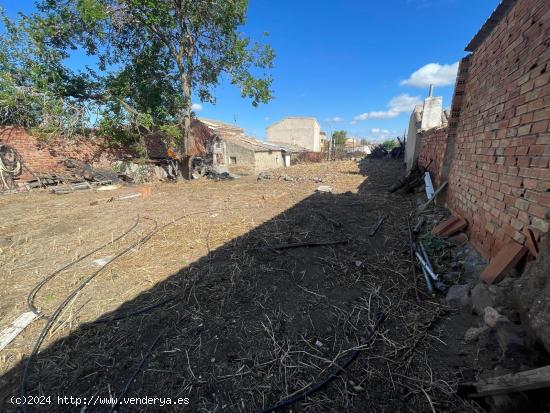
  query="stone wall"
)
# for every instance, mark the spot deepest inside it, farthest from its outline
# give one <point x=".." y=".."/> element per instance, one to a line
<point x="499" y="151"/>
<point x="239" y="159"/>
<point x="45" y="156"/>
<point x="269" y="160"/>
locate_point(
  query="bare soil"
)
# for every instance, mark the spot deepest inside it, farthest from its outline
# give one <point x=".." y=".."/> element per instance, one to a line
<point x="225" y="318"/>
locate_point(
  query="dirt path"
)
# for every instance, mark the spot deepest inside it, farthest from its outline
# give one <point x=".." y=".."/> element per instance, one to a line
<point x="232" y="322"/>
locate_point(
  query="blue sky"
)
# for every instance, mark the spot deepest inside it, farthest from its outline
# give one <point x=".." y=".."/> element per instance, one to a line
<point x="348" y="62"/>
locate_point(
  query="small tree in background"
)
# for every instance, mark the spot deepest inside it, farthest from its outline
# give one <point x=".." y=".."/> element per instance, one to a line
<point x="390" y="144"/>
<point x="339" y="137"/>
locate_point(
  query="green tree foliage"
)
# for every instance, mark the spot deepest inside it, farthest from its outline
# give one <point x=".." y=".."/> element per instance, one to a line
<point x="339" y="137"/>
<point x="34" y="84"/>
<point x="390" y="144"/>
<point x="158" y="54"/>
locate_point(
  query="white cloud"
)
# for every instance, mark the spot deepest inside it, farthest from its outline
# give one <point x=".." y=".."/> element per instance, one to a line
<point x="380" y="131"/>
<point x="379" y="135"/>
<point x="335" y="119"/>
<point x="397" y="105"/>
<point x="433" y="74"/>
<point x="404" y="103"/>
<point x="266" y="118"/>
<point x="195" y="107"/>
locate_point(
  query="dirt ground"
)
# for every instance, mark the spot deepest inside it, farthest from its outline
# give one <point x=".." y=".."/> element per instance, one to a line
<point x="203" y="301"/>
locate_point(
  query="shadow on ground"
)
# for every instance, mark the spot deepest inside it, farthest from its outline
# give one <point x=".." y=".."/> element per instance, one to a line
<point x="248" y="325"/>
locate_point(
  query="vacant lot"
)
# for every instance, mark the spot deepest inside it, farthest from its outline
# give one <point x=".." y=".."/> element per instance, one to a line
<point x="201" y="298"/>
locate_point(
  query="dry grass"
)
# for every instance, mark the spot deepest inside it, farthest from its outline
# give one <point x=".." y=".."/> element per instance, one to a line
<point x="248" y="326"/>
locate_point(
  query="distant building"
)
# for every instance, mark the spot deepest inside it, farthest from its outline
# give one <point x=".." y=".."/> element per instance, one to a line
<point x="366" y="149"/>
<point x="242" y="153"/>
<point x="301" y="131"/>
<point x="324" y="141"/>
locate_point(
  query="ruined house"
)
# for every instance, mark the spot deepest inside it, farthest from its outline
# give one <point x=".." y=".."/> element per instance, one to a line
<point x="245" y="154"/>
<point x="294" y="130"/>
<point x="424" y="117"/>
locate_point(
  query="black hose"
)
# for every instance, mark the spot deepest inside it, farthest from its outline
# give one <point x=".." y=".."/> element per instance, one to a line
<point x="32" y="294"/>
<point x="52" y="319"/>
<point x="325" y="382"/>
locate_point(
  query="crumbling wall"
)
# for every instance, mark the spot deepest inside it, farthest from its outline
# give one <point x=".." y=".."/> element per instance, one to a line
<point x="433" y="144"/>
<point x="46" y="156"/>
<point x="499" y="178"/>
<point x="269" y="160"/>
<point x="239" y="159"/>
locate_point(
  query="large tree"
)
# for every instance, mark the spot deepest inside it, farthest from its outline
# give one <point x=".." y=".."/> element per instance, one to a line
<point x="160" y="54"/>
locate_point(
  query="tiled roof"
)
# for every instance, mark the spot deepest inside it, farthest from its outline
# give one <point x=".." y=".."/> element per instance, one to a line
<point x="287" y="147"/>
<point x="236" y="135"/>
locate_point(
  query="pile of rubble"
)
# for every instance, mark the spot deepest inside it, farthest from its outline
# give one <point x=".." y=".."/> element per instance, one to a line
<point x="381" y="151"/>
<point x="505" y="313"/>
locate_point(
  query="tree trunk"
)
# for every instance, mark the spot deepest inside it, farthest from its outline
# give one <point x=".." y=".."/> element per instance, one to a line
<point x="186" y="147"/>
<point x="186" y="124"/>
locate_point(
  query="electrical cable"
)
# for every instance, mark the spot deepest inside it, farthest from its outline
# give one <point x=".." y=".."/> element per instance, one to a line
<point x="323" y="383"/>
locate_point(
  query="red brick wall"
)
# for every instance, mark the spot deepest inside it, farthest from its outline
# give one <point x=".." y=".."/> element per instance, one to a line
<point x="45" y="157"/>
<point x="499" y="178"/>
<point x="433" y="144"/>
<point x="155" y="146"/>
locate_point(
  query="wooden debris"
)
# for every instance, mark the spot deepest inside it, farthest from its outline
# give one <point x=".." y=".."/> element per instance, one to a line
<point x="449" y="227"/>
<point x="18" y="325"/>
<point x="376" y="226"/>
<point x="420" y="223"/>
<point x="513" y="383"/>
<point x="429" y="201"/>
<point x="532" y="244"/>
<point x="411" y="255"/>
<point x="413" y="178"/>
<point x="506" y="259"/>
<point x="308" y="244"/>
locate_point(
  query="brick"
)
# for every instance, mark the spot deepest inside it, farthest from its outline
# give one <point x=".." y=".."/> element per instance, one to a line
<point x="517" y="224"/>
<point x="449" y="227"/>
<point x="540" y="225"/>
<point x="538" y="210"/>
<point x="540" y="127"/>
<point x="506" y="259"/>
<point x="524" y="130"/>
<point x="537" y="149"/>
<point x="522" y="204"/>
<point x="490" y="227"/>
